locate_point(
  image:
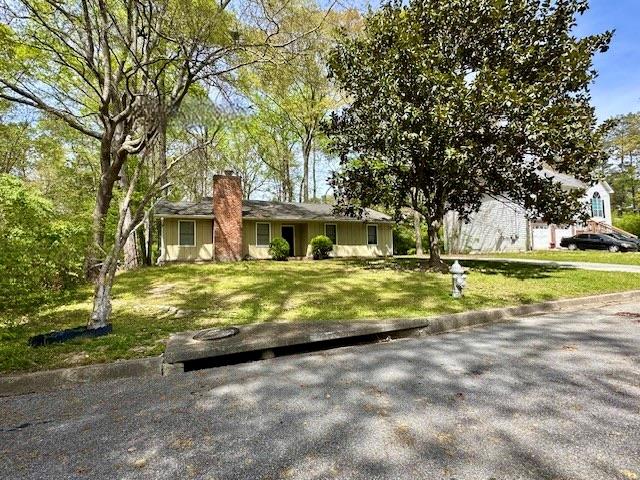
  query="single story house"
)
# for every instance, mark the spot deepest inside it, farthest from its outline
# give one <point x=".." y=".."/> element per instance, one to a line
<point x="502" y="225"/>
<point x="225" y="227"/>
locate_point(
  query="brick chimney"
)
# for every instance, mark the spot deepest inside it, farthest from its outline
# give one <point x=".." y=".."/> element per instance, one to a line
<point x="227" y="209"/>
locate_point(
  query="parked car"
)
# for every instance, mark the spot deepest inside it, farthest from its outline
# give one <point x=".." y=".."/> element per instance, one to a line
<point x="597" y="241"/>
<point x="625" y="238"/>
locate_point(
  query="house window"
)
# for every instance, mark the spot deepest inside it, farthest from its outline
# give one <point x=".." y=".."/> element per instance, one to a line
<point x="187" y="233"/>
<point x="597" y="206"/>
<point x="372" y="234"/>
<point x="263" y="234"/>
<point x="331" y="231"/>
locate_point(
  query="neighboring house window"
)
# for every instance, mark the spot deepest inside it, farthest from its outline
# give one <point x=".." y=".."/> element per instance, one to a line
<point x="597" y="206"/>
<point x="331" y="231"/>
<point x="263" y="234"/>
<point x="187" y="233"/>
<point x="372" y="234"/>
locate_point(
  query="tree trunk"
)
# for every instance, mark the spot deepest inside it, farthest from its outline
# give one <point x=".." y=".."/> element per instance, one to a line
<point x="148" y="240"/>
<point x="159" y="157"/>
<point x="141" y="239"/>
<point x="435" y="262"/>
<point x="104" y="195"/>
<point x="96" y="250"/>
<point x="158" y="229"/>
<point x="313" y="172"/>
<point x="130" y="248"/>
<point x="160" y="149"/>
<point x="101" y="312"/>
<point x="418" y="230"/>
<point x="306" y="154"/>
<point x="287" y="185"/>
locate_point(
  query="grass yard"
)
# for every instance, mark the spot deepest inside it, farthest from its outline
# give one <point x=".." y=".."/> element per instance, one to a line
<point x="592" y="256"/>
<point x="145" y="301"/>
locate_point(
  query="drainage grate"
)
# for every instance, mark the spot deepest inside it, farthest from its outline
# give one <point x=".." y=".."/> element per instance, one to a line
<point x="256" y="355"/>
<point x="216" y="334"/>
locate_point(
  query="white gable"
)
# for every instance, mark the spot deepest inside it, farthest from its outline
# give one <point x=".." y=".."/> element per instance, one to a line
<point x="604" y="190"/>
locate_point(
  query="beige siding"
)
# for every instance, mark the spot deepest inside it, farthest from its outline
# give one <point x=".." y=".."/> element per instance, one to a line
<point x="302" y="238"/>
<point x="250" y="248"/>
<point x="315" y="229"/>
<point x="173" y="251"/>
<point x="248" y="236"/>
<point x="352" y="239"/>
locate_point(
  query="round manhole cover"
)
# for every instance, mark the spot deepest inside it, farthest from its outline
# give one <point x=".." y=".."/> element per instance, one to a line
<point x="216" y="334"/>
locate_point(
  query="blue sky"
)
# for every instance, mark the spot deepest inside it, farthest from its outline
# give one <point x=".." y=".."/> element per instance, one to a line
<point x="617" y="88"/>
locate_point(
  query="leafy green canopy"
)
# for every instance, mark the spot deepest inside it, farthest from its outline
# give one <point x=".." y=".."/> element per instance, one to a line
<point x="455" y="99"/>
<point x="623" y="166"/>
<point x="629" y="222"/>
<point x="39" y="253"/>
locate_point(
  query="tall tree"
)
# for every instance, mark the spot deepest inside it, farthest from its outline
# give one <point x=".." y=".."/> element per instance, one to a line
<point x="623" y="166"/>
<point x="297" y="90"/>
<point x="200" y="123"/>
<point x="101" y="66"/>
<point x="455" y="100"/>
<point x="16" y="137"/>
<point x="274" y="142"/>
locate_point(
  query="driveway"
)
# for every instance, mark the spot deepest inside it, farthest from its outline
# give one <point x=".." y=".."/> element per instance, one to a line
<point x="547" y="397"/>
<point x="603" y="267"/>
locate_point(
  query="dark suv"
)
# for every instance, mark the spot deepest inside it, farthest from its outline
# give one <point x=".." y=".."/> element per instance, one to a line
<point x="597" y="241"/>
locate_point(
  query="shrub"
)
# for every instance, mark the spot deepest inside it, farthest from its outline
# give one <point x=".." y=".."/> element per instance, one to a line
<point x="403" y="239"/>
<point x="629" y="222"/>
<point x="39" y="253"/>
<point x="279" y="249"/>
<point x="411" y="251"/>
<point x="321" y="246"/>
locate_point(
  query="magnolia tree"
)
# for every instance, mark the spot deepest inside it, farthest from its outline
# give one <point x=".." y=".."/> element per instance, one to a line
<point x="114" y="70"/>
<point x="452" y="101"/>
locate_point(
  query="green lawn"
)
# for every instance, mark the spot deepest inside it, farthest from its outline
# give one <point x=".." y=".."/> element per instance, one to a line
<point x="593" y="256"/>
<point x="247" y="292"/>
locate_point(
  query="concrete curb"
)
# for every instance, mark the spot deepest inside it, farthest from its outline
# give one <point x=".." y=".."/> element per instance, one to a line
<point x="68" y="377"/>
<point x="455" y="321"/>
<point x="266" y="340"/>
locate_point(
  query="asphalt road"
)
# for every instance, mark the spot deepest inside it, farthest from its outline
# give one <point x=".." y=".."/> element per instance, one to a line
<point x="546" y="397"/>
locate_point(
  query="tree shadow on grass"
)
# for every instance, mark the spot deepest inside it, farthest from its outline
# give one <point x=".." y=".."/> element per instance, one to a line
<point x="520" y="271"/>
<point x="252" y="292"/>
<point x="326" y="293"/>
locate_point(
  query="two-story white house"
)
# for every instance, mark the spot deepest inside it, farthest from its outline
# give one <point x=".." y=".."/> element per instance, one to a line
<point x="502" y="225"/>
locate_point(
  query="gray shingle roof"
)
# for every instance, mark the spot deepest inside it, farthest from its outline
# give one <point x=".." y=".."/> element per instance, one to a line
<point x="259" y="209"/>
<point x="266" y="210"/>
<point x="563" y="178"/>
<point x="202" y="208"/>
